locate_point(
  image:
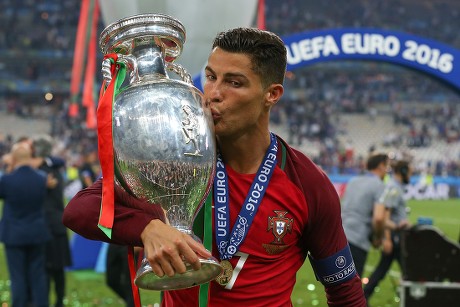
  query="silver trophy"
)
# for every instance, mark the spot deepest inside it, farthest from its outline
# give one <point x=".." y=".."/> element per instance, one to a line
<point x="163" y="133"/>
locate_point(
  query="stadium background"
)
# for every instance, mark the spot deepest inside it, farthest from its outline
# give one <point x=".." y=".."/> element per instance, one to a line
<point x="336" y="112"/>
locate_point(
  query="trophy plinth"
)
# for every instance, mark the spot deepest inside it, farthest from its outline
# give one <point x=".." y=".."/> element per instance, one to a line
<point x="163" y="135"/>
<point x="145" y="279"/>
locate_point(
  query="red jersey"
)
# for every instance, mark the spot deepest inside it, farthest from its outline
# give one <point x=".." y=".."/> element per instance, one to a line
<point x="268" y="259"/>
<point x="299" y="214"/>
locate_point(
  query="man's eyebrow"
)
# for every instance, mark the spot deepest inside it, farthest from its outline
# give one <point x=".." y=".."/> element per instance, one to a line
<point x="209" y="68"/>
<point x="228" y="74"/>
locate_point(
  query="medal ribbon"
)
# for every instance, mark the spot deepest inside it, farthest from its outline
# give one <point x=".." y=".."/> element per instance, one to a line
<point x="228" y="243"/>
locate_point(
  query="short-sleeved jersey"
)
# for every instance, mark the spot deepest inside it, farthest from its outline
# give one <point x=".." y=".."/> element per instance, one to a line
<point x="393" y="199"/>
<point x="361" y="195"/>
<point x="299" y="213"/>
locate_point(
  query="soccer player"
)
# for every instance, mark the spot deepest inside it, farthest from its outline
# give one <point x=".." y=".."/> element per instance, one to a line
<point x="295" y="213"/>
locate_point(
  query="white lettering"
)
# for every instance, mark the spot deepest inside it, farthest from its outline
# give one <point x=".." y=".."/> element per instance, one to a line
<point x="220" y="174"/>
<point x="258" y="187"/>
<point x="370" y="43"/>
<point x="425" y="55"/>
<point x="421" y="191"/>
<point x="310" y="49"/>
<point x="262" y="178"/>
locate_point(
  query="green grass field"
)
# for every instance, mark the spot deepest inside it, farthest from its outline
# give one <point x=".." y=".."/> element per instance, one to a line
<point x="87" y="288"/>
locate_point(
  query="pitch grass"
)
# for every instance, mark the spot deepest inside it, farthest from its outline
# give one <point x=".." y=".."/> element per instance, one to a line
<point x="87" y="288"/>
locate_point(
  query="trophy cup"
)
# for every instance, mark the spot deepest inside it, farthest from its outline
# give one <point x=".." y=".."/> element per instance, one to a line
<point x="163" y="134"/>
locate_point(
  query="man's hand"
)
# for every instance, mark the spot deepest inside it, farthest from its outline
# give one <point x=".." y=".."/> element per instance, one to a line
<point x="387" y="246"/>
<point x="166" y="249"/>
<point x="51" y="182"/>
<point x="376" y="241"/>
<point x="404" y="224"/>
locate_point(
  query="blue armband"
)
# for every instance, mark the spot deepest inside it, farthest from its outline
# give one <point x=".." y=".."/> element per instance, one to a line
<point x="334" y="269"/>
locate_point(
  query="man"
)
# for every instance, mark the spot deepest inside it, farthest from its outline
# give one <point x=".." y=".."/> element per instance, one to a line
<point x="363" y="216"/>
<point x="58" y="255"/>
<point x="244" y="78"/>
<point x="23" y="229"/>
<point x="393" y="199"/>
<point x="117" y="273"/>
<point x="87" y="170"/>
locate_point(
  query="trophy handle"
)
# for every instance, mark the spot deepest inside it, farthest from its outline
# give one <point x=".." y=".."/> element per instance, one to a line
<point x="106" y="71"/>
<point x="178" y="69"/>
<point x="130" y="62"/>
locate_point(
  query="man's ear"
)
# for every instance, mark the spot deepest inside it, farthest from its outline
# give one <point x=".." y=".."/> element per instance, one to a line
<point x="274" y="93"/>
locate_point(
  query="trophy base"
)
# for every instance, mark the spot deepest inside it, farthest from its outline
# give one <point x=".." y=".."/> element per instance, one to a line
<point x="147" y="279"/>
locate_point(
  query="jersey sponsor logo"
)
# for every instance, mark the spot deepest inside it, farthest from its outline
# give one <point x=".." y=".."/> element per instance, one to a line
<point x="279" y="225"/>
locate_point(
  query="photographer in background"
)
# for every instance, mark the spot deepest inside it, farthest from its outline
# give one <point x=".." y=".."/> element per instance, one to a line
<point x="58" y="255"/>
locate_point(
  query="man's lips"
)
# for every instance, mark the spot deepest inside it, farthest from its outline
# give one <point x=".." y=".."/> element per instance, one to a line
<point x="215" y="114"/>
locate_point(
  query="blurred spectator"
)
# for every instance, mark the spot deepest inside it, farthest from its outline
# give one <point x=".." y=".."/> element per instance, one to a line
<point x="58" y="255"/>
<point x="393" y="199"/>
<point x="89" y="170"/>
<point x="363" y="216"/>
<point x="23" y="228"/>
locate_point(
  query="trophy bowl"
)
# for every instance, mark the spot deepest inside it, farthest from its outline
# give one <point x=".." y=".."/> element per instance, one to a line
<point x="163" y="135"/>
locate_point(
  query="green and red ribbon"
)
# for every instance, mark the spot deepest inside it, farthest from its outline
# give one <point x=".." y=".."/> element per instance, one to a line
<point x="105" y="142"/>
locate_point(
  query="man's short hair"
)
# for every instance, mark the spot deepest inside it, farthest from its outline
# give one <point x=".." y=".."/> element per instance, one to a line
<point x="401" y="167"/>
<point x="265" y="49"/>
<point x="375" y="160"/>
<point x="43" y="145"/>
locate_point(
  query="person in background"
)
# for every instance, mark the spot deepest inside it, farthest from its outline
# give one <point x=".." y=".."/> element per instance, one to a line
<point x="87" y="171"/>
<point x="396" y="220"/>
<point x="363" y="216"/>
<point x="117" y="275"/>
<point x="58" y="255"/>
<point x="295" y="212"/>
<point x="23" y="227"/>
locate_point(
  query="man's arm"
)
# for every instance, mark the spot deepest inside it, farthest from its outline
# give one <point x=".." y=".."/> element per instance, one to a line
<point x="327" y="241"/>
<point x="131" y="215"/>
<point x="136" y="223"/>
<point x="379" y="219"/>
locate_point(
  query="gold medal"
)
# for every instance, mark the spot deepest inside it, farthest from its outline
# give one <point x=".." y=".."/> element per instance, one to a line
<point x="224" y="278"/>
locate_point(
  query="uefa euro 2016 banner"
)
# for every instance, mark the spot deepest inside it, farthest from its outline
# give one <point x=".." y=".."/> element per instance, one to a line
<point x="426" y="55"/>
<point x="400" y="48"/>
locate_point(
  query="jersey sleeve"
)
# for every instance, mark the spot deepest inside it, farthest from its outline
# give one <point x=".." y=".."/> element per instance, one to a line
<point x="324" y="235"/>
<point x="389" y="197"/>
<point x="81" y="215"/>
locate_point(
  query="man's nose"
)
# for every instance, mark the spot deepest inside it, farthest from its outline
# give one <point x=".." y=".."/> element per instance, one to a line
<point x="213" y="92"/>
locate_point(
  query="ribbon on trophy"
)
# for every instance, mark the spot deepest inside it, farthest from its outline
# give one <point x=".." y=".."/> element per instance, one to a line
<point x="105" y="141"/>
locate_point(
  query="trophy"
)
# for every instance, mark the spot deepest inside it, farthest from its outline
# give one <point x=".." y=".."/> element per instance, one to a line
<point x="163" y="134"/>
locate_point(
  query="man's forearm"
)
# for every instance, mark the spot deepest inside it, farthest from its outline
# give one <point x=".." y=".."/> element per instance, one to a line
<point x="130" y="217"/>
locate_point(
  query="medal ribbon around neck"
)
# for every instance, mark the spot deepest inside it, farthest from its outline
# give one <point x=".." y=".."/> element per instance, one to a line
<point x="228" y="244"/>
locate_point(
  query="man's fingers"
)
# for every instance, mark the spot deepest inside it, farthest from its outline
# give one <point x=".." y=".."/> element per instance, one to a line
<point x="156" y="268"/>
<point x="198" y="248"/>
<point x="166" y="261"/>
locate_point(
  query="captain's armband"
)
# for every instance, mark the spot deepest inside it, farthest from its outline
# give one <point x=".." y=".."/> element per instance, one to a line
<point x="334" y="269"/>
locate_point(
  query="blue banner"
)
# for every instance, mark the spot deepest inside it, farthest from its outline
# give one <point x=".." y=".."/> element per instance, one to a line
<point x="426" y="55"/>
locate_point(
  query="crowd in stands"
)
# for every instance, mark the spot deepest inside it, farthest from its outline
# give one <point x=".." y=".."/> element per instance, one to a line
<point x="42" y="34"/>
<point x="424" y="110"/>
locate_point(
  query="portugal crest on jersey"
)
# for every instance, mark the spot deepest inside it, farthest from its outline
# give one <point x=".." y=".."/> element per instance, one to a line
<point x="279" y="225"/>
